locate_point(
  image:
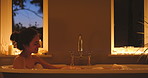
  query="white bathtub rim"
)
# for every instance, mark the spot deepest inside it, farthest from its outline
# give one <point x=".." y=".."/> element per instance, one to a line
<point x="79" y="71"/>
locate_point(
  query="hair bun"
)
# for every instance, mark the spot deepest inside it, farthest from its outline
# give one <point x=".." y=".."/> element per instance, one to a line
<point x="14" y="36"/>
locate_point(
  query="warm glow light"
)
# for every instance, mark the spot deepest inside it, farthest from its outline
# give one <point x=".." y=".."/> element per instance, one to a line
<point x="16" y="51"/>
<point x="42" y="51"/>
<point x="40" y="42"/>
<point x="129" y="51"/>
<point x="10" y="49"/>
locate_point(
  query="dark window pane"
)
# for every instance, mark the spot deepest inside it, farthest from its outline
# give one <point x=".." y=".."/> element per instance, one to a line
<point x="129" y="15"/>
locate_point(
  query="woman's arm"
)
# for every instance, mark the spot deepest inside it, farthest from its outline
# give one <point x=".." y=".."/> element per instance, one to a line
<point x="45" y="64"/>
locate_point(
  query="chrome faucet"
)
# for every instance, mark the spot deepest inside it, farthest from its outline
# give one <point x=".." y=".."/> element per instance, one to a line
<point x="80" y="57"/>
<point x="80" y="45"/>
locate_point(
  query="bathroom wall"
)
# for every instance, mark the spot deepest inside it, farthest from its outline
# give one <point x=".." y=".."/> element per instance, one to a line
<point x="92" y="19"/>
<point x="68" y="19"/>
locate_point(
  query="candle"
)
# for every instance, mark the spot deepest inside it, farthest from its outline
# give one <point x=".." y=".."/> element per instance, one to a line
<point x="40" y="42"/>
<point x="10" y="49"/>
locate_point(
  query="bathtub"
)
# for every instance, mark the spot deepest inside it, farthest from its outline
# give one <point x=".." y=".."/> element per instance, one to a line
<point x="93" y="71"/>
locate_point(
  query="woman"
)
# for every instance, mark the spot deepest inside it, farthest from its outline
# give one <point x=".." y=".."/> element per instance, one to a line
<point x="28" y="42"/>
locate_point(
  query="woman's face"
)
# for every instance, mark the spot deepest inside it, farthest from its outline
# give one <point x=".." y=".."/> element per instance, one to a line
<point x="34" y="45"/>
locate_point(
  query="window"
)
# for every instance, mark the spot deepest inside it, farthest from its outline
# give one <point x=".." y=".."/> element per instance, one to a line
<point x="128" y="50"/>
<point x="128" y="23"/>
<point x="28" y="13"/>
<point x="6" y="25"/>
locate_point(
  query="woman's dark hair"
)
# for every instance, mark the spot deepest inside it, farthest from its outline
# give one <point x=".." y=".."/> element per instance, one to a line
<point x="14" y="36"/>
<point x="24" y="37"/>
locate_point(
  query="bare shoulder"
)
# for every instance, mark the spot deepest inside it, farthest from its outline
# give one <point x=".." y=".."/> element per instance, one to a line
<point x="19" y="58"/>
<point x="19" y="62"/>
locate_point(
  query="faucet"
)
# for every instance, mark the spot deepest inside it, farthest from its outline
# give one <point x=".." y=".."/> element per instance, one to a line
<point x="80" y="45"/>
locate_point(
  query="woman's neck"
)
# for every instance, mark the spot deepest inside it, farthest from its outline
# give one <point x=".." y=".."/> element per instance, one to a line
<point x="25" y="54"/>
